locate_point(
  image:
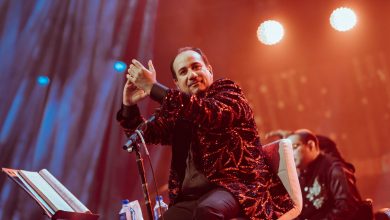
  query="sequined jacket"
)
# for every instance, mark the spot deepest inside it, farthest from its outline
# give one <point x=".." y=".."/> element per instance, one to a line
<point x="226" y="146"/>
<point x="329" y="190"/>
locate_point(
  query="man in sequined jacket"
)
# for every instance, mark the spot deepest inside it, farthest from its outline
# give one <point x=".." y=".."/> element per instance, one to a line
<point x="328" y="184"/>
<point x="217" y="168"/>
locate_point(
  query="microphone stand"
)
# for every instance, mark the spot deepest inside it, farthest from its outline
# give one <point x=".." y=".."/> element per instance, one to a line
<point x="140" y="164"/>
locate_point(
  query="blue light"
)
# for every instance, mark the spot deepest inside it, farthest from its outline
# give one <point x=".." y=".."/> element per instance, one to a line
<point x="120" y="66"/>
<point x="43" y="80"/>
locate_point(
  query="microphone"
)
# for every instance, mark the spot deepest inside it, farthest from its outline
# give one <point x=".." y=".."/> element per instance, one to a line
<point x="134" y="137"/>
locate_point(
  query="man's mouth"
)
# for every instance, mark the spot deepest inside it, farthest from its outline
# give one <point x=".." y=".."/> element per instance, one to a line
<point x="193" y="84"/>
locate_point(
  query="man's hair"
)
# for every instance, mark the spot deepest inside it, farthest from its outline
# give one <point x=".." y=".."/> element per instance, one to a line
<point x="328" y="146"/>
<point x="180" y="50"/>
<point x="306" y="135"/>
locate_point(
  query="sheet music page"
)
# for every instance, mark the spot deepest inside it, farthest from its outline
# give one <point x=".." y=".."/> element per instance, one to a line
<point x="64" y="192"/>
<point x="36" y="195"/>
<point x="45" y="191"/>
<point x="26" y="187"/>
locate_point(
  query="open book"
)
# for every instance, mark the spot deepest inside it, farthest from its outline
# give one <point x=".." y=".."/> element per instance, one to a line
<point x="54" y="198"/>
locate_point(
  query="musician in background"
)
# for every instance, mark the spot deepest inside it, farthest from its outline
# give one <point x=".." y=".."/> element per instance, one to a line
<point x="328" y="185"/>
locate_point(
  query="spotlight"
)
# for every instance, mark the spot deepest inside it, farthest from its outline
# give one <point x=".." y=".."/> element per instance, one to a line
<point x="43" y="80"/>
<point x="120" y="66"/>
<point x="343" y="19"/>
<point x="270" y="32"/>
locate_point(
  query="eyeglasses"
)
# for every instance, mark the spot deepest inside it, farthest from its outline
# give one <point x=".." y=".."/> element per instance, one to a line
<point x="296" y="145"/>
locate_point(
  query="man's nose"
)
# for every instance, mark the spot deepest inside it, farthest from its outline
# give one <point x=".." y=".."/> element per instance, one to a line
<point x="193" y="74"/>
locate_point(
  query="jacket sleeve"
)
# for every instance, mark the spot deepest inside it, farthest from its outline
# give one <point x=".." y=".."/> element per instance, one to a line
<point x="156" y="132"/>
<point x="129" y="117"/>
<point x="343" y="191"/>
<point x="220" y="107"/>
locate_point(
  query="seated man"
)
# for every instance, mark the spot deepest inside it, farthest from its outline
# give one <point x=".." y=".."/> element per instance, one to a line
<point x="327" y="145"/>
<point x="328" y="186"/>
<point x="218" y="169"/>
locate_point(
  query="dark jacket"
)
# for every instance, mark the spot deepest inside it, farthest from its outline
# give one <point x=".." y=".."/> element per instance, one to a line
<point x="226" y="146"/>
<point x="328" y="190"/>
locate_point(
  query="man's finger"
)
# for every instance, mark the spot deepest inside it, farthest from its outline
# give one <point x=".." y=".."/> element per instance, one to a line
<point x="151" y="67"/>
<point x="130" y="78"/>
<point x="129" y="84"/>
<point x="138" y="64"/>
<point x="131" y="68"/>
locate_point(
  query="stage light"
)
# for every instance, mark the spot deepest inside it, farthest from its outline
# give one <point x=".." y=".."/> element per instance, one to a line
<point x="343" y="19"/>
<point x="43" y="80"/>
<point x="120" y="66"/>
<point x="270" y="32"/>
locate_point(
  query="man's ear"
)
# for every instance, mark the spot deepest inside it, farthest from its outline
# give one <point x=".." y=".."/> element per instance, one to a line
<point x="312" y="145"/>
<point x="210" y="68"/>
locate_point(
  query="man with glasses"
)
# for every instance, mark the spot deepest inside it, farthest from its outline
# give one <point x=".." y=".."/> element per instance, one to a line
<point x="328" y="186"/>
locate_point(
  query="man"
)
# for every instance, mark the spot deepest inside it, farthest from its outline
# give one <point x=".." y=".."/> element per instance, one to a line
<point x="328" y="185"/>
<point x="217" y="168"/>
<point x="327" y="145"/>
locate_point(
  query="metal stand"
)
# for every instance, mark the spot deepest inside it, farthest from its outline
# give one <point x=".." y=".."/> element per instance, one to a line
<point x="141" y="172"/>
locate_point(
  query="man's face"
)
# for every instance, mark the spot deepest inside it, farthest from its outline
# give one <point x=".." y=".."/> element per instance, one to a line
<point x="192" y="74"/>
<point x="302" y="152"/>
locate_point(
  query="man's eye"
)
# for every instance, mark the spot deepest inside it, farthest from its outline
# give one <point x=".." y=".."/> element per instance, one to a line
<point x="197" y="67"/>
